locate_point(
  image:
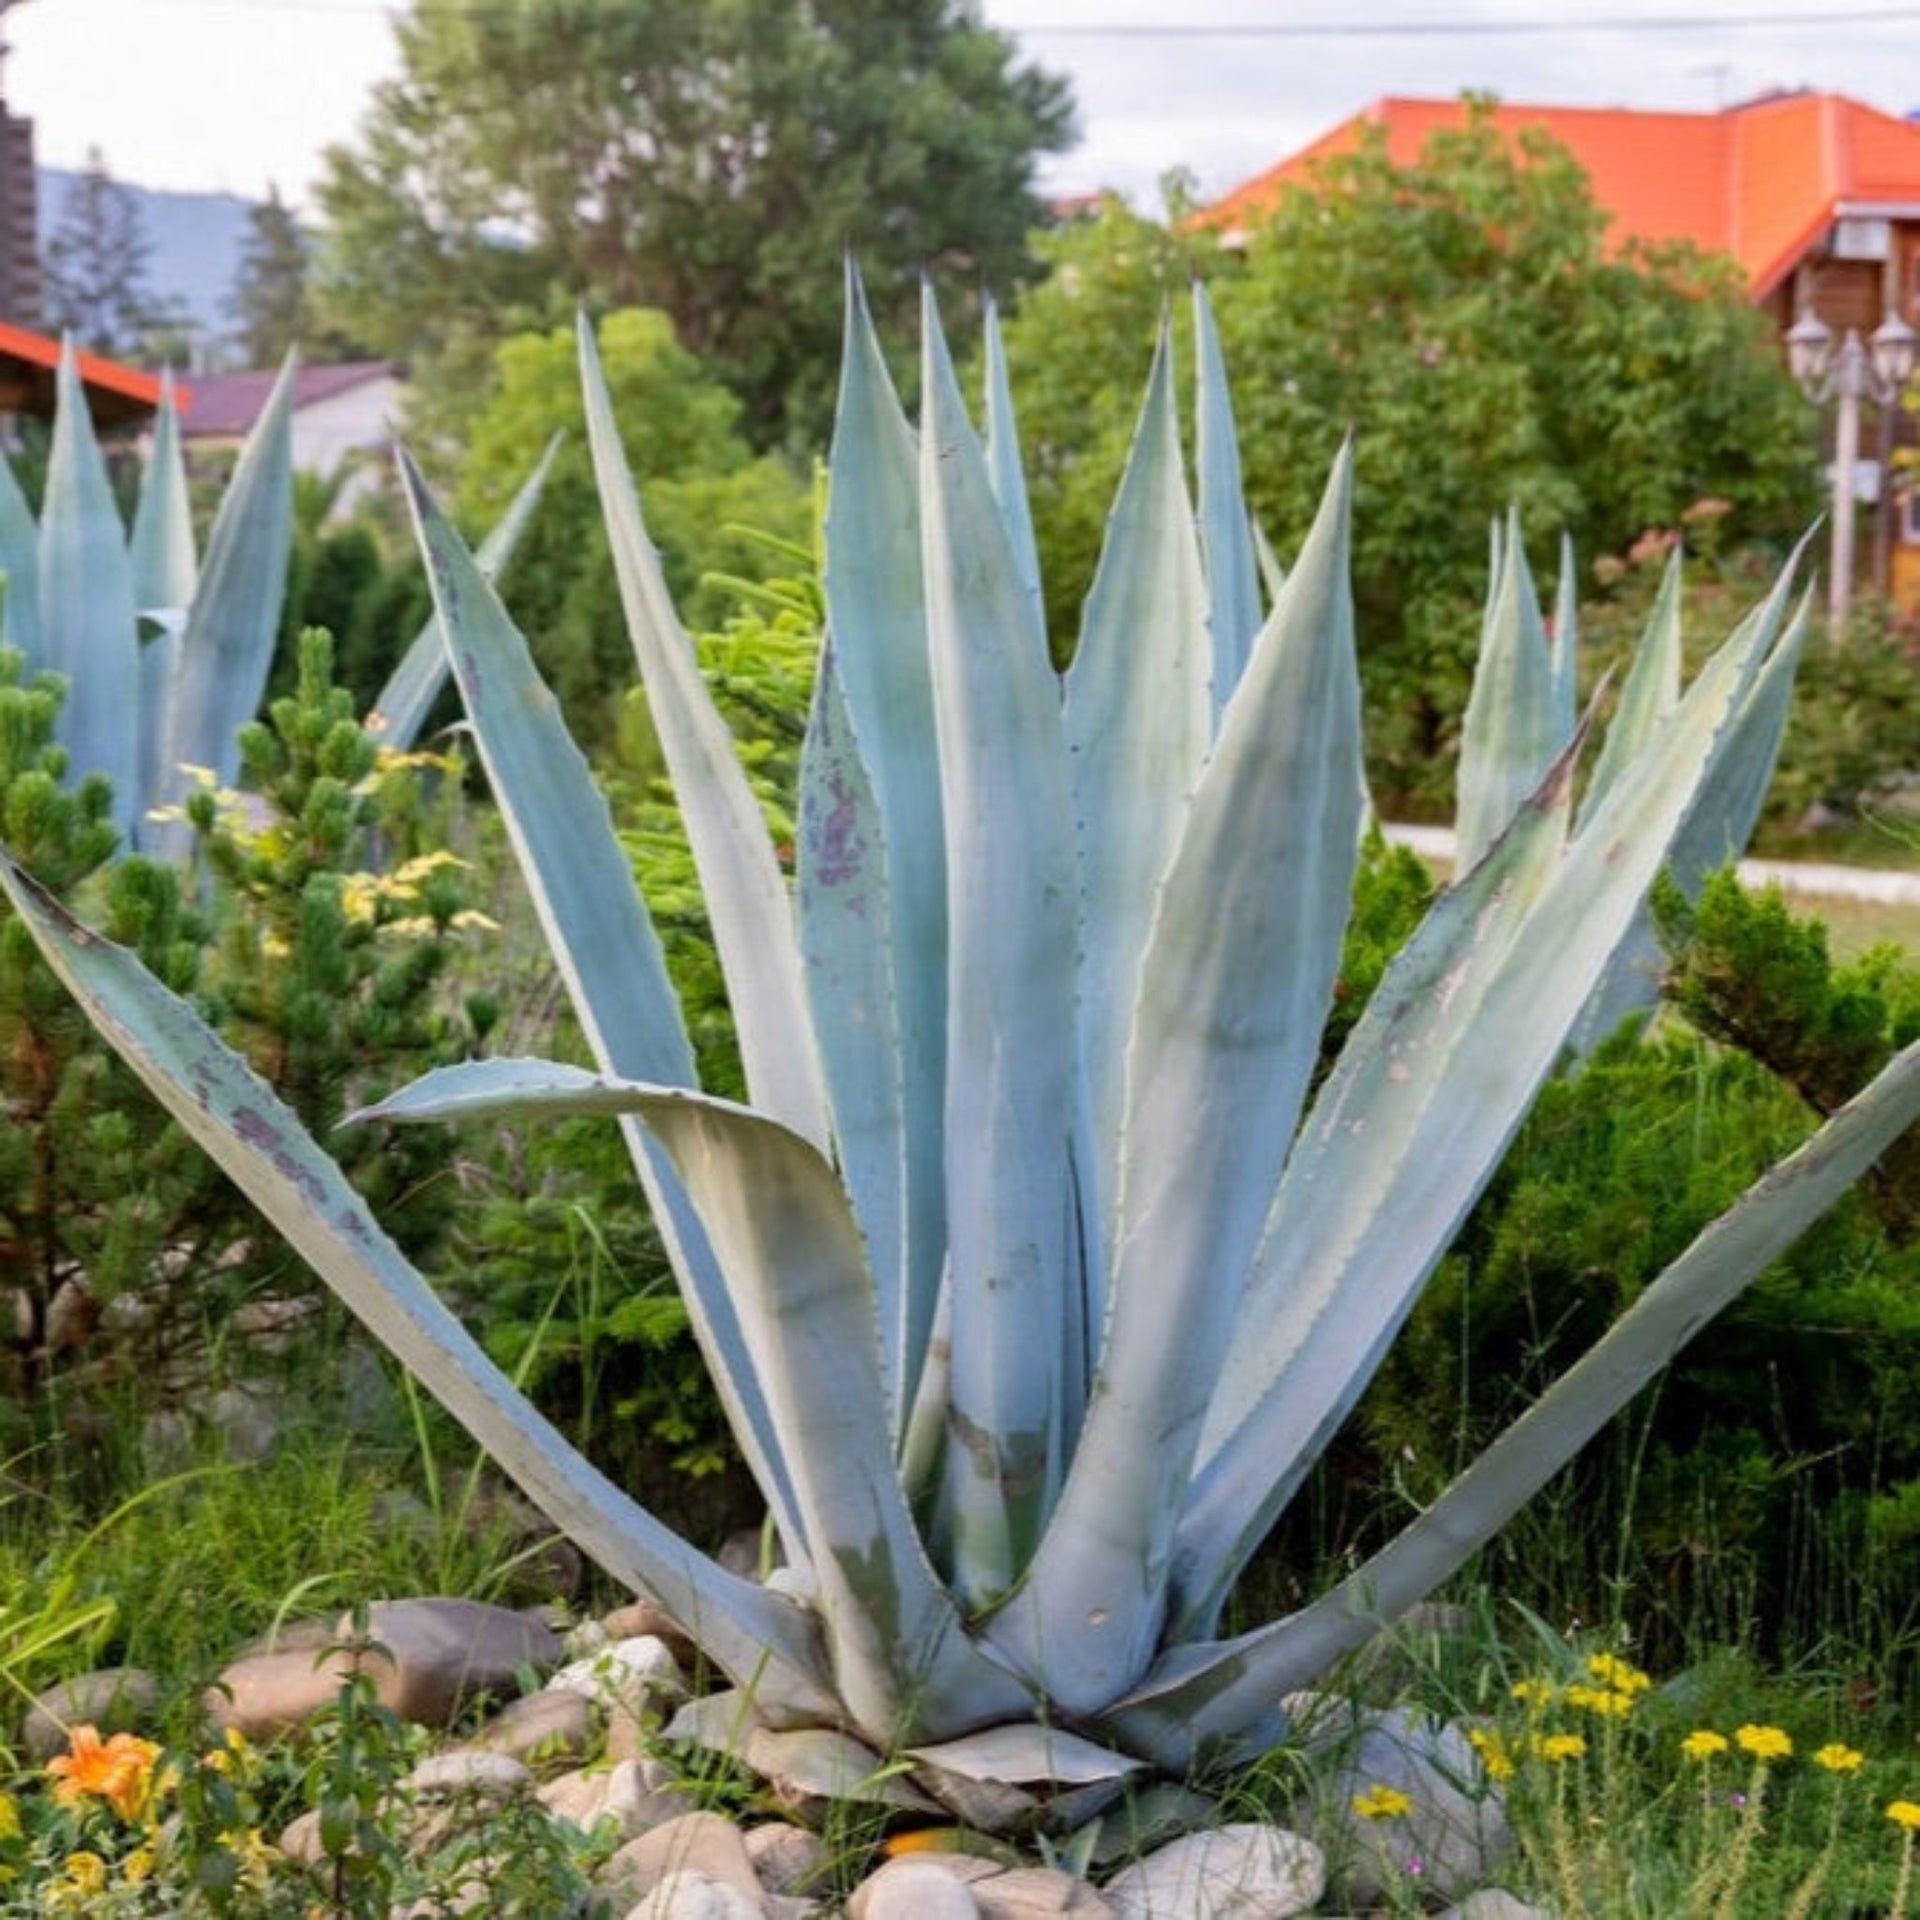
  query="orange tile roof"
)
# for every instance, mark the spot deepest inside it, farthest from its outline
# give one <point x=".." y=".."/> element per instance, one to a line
<point x="1760" y="181"/>
<point x="39" y="350"/>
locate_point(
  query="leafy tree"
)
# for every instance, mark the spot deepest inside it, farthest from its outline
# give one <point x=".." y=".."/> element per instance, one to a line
<point x="270" y="287"/>
<point x="1463" y="317"/>
<point x="705" y="157"/>
<point x="701" y="483"/>
<point x="95" y="263"/>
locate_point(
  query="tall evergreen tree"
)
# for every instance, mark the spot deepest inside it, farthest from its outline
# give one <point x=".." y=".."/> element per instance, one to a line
<point x="269" y="300"/>
<point x="710" y="158"/>
<point x="95" y="263"/>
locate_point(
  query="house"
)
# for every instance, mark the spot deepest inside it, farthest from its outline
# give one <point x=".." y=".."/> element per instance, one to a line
<point x="342" y="417"/>
<point x="1815" y="196"/>
<point x="117" y="396"/>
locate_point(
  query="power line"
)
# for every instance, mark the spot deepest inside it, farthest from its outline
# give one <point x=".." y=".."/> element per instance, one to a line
<point x="1459" y="29"/>
<point x="1469" y="29"/>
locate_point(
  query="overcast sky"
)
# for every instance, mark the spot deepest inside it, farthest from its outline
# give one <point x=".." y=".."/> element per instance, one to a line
<point x="234" y="94"/>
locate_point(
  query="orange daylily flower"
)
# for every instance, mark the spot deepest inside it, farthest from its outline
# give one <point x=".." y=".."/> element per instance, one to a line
<point x="116" y="1770"/>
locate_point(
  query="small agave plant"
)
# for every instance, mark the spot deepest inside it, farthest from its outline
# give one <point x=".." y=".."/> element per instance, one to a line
<point x="1038" y="1270"/>
<point x="166" y="655"/>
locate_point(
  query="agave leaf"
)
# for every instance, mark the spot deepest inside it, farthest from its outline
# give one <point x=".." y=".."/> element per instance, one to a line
<point x="1013" y="1223"/>
<point x="1566" y="642"/>
<point x="1651" y="690"/>
<point x="20" y="561"/>
<point x="1205" y="1694"/>
<point x="218" y="1101"/>
<point x="846" y="913"/>
<point x="86" y="623"/>
<point x="1226" y="533"/>
<point x="1513" y="729"/>
<point x="1723" y="815"/>
<point x="1273" y="576"/>
<point x="226" y="649"/>
<point x="1225" y="1036"/>
<point x="1003" y="457"/>
<point x="1007" y="1777"/>
<point x="161" y="551"/>
<point x="601" y="938"/>
<point x="876" y="614"/>
<point x="1306" y="1349"/>
<point x="1348" y="1160"/>
<point x="165" y="571"/>
<point x="1139" y="718"/>
<point x="404" y="702"/>
<point x="740" y="878"/>
<point x="778" y="1221"/>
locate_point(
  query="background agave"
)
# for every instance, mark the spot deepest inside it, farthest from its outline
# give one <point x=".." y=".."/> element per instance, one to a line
<point x="166" y="655"/>
<point x="1038" y="1271"/>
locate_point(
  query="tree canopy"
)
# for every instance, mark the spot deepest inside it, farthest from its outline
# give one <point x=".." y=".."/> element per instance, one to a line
<point x="1465" y="319"/>
<point x="708" y="158"/>
<point x="95" y="260"/>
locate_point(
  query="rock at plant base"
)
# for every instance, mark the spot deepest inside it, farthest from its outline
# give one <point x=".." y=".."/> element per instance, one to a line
<point x="1035" y="1893"/>
<point x="1240" y="1872"/>
<point x="440" y="1653"/>
<point x="461" y="1772"/>
<point x="933" y="1888"/>
<point x="544" y="1726"/>
<point x="266" y="1695"/>
<point x="634" y="1795"/>
<point x="1493" y="1903"/>
<point x="788" y="1859"/>
<point x="701" y="1844"/>
<point x="641" y="1619"/>
<point x="1457" y="1828"/>
<point x="633" y="1680"/>
<point x="300" y="1839"/>
<point x="111" y="1699"/>
<point x="692" y="1896"/>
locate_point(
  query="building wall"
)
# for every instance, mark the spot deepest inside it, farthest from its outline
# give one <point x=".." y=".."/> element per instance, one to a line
<point x="358" y="422"/>
<point x="20" y="301"/>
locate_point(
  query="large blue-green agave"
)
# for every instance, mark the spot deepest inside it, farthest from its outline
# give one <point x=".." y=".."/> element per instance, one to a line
<point x="1037" y="1271"/>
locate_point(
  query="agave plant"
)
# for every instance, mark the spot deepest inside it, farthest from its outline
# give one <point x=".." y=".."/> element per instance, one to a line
<point x="1038" y="1269"/>
<point x="166" y="656"/>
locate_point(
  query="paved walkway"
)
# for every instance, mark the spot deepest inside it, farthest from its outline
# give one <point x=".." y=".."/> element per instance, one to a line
<point x="1826" y="881"/>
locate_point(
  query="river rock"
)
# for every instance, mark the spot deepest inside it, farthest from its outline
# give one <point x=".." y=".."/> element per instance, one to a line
<point x="439" y="1654"/>
<point x="111" y="1699"/>
<point x="702" y="1844"/>
<point x="1242" y="1872"/>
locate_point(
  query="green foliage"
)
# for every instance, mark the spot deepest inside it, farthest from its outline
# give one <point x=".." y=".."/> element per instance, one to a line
<point x="703" y="484"/>
<point x="538" y="156"/>
<point x="125" y="1253"/>
<point x="1776" y="1470"/>
<point x="1853" y="745"/>
<point x="1463" y="319"/>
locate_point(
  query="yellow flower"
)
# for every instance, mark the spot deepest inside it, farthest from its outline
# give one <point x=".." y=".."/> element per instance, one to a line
<point x="1837" y="1758"/>
<point x="138" y="1866"/>
<point x="1703" y="1744"/>
<point x="86" y="1872"/>
<point x="1382" y="1803"/>
<point x="1533" y="1693"/>
<point x="1905" y="1813"/>
<point x="1764" y="1743"/>
<point x="116" y="1770"/>
<point x="1560" y="1746"/>
<point x="1613" y="1672"/>
<point x="9" y="1817"/>
<point x="1492" y="1749"/>
<point x="1606" y="1701"/>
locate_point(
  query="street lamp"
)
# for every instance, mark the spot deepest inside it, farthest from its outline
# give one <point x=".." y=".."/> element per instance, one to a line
<point x="1878" y="372"/>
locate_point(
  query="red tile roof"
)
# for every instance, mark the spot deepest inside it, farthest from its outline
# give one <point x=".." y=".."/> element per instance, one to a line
<point x="1760" y="181"/>
<point x="115" y="392"/>
<point x="225" y="405"/>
